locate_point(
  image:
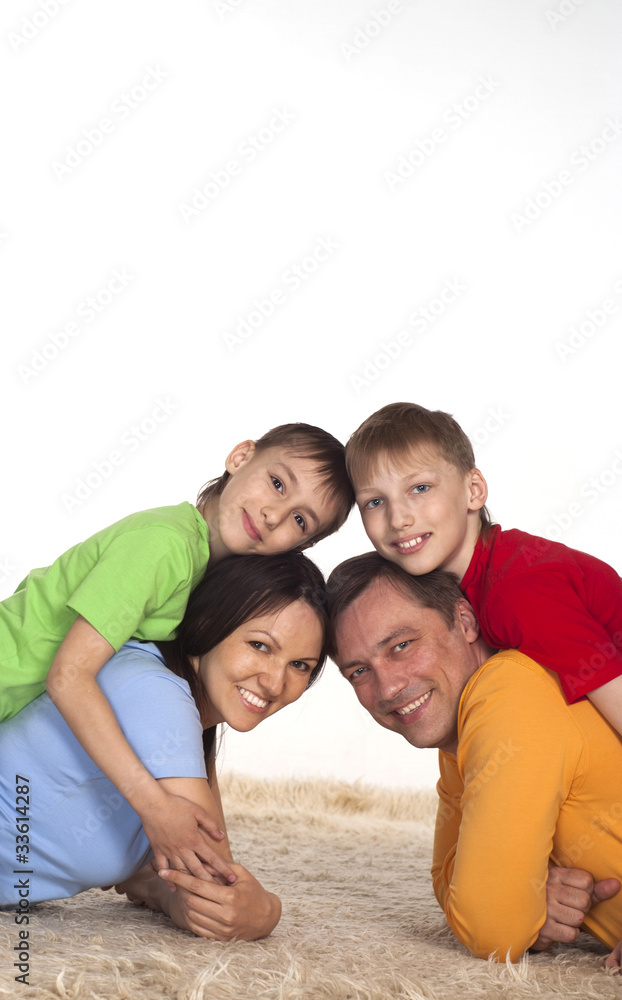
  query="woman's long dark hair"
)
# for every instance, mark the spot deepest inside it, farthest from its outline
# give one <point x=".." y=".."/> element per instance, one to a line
<point x="234" y="591"/>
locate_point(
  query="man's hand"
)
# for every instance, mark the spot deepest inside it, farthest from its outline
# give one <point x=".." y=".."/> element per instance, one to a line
<point x="570" y="894"/>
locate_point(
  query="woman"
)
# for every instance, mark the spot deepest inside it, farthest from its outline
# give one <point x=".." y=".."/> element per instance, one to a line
<point x="252" y="640"/>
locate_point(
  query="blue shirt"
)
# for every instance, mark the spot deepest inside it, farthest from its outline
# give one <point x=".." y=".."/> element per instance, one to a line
<point x="82" y="832"/>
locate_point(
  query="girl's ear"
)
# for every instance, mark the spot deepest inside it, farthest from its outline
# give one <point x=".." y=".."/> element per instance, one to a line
<point x="241" y="454"/>
<point x="478" y="490"/>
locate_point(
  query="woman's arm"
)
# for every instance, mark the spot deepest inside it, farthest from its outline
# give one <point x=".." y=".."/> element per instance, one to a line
<point x="223" y="912"/>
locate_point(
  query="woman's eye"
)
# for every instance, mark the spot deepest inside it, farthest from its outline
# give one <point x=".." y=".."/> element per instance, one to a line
<point x="261" y="646"/>
<point x="421" y="488"/>
<point x="300" y="521"/>
<point x="277" y="483"/>
<point x="372" y="504"/>
<point x="300" y="665"/>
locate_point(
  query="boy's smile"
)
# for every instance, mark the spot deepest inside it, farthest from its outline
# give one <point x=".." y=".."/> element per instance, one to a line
<point x="422" y="512"/>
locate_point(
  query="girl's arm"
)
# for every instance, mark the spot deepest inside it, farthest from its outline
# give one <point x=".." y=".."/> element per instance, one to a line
<point x="172" y="824"/>
<point x="202" y="905"/>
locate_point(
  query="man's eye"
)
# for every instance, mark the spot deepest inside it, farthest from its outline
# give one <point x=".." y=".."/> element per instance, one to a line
<point x="357" y="673"/>
<point x="372" y="504"/>
<point x="300" y="521"/>
<point x="277" y="483"/>
<point x="402" y="645"/>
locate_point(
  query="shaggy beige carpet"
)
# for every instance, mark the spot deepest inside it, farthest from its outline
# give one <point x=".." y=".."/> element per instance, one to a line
<point x="359" y="919"/>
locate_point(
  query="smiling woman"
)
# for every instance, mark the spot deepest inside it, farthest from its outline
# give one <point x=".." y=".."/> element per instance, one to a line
<point x="252" y="640"/>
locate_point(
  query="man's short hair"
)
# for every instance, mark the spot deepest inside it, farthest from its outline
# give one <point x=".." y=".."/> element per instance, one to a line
<point x="437" y="590"/>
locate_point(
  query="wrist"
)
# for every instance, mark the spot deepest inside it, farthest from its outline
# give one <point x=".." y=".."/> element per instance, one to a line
<point x="143" y="793"/>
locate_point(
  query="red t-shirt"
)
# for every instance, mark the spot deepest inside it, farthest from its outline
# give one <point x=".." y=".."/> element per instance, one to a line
<point x="561" y="607"/>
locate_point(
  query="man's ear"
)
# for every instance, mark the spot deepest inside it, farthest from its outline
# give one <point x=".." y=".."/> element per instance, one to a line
<point x="478" y="490"/>
<point x="241" y="454"/>
<point x="466" y="618"/>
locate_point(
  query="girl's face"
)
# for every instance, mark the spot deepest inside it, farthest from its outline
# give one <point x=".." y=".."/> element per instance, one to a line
<point x="262" y="666"/>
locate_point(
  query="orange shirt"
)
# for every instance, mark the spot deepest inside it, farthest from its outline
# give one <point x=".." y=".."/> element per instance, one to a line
<point x="533" y="779"/>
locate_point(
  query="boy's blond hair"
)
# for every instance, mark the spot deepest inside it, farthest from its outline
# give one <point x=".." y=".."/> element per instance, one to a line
<point x="395" y="429"/>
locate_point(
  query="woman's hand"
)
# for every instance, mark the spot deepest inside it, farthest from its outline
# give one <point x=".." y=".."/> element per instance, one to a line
<point x="223" y="912"/>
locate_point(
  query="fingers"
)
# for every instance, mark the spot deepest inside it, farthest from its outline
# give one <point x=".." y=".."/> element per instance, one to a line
<point x="614" y="960"/>
<point x="204" y="885"/>
<point x="605" y="889"/>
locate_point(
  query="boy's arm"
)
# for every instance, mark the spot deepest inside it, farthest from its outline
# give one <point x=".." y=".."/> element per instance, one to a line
<point x="170" y="823"/>
<point x="202" y="905"/>
<point x="608" y="701"/>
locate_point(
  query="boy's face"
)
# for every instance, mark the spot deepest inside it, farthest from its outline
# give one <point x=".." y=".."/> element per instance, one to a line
<point x="421" y="513"/>
<point x="274" y="501"/>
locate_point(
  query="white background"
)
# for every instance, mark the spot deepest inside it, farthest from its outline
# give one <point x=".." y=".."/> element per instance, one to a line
<point x="509" y="115"/>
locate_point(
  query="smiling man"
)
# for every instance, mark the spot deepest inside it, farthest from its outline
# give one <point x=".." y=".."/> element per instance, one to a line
<point x="527" y="780"/>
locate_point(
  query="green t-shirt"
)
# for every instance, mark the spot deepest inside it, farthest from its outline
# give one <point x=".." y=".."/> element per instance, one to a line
<point x="130" y="580"/>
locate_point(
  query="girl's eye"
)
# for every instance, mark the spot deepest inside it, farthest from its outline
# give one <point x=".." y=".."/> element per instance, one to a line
<point x="261" y="646"/>
<point x="300" y="521"/>
<point x="372" y="504"/>
<point x="422" y="488"/>
<point x="300" y="665"/>
<point x="277" y="483"/>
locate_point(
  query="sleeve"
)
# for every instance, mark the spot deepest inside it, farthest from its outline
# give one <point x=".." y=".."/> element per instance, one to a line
<point x="159" y="718"/>
<point x="546" y="619"/>
<point x="138" y="573"/>
<point x="493" y="842"/>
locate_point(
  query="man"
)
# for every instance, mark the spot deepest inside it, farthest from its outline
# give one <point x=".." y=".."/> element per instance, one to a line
<point x="526" y="779"/>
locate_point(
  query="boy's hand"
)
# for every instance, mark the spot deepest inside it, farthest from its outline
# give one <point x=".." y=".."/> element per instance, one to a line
<point x="176" y="829"/>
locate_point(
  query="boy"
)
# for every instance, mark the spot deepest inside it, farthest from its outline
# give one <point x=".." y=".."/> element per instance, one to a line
<point x="133" y="579"/>
<point x="423" y="507"/>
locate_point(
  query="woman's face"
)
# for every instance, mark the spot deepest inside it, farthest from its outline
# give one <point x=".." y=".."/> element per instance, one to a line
<point x="261" y="667"/>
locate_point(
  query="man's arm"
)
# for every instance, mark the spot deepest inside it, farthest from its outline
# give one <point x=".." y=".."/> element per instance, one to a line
<point x="515" y="763"/>
<point x="570" y="895"/>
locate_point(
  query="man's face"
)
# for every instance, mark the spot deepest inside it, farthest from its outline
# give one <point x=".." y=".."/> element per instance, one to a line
<point x="407" y="668"/>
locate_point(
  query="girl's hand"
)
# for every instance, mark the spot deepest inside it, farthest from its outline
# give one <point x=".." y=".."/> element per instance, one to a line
<point x="177" y="831"/>
<point x="244" y="911"/>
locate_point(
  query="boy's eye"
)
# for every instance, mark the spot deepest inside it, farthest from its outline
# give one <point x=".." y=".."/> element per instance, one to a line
<point x="300" y="521"/>
<point x="277" y="483"/>
<point x="372" y="504"/>
<point x="421" y="488"/>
